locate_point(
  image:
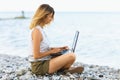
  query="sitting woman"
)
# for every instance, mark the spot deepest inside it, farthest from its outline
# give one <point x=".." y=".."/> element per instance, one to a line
<point x="41" y="60"/>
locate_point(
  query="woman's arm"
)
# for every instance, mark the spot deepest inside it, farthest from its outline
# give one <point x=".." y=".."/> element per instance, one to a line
<point x="37" y="38"/>
<point x="62" y="48"/>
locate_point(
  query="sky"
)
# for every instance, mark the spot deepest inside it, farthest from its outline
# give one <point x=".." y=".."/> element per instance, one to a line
<point x="62" y="5"/>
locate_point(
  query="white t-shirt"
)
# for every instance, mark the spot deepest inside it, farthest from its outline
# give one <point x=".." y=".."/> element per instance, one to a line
<point x="44" y="46"/>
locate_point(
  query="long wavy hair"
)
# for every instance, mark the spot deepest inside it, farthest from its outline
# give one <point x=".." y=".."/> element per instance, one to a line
<point x="41" y="14"/>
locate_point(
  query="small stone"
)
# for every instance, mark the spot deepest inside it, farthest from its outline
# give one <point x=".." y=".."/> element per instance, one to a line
<point x="21" y="72"/>
<point x="100" y="75"/>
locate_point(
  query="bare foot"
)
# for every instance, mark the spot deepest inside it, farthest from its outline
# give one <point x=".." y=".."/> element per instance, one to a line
<point x="75" y="70"/>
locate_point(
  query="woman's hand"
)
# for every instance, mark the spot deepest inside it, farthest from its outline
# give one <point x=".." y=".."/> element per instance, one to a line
<point x="64" y="48"/>
<point x="55" y="50"/>
<point x="58" y="49"/>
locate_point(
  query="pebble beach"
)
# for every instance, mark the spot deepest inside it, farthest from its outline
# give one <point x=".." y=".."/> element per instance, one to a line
<point x="18" y="68"/>
<point x="98" y="47"/>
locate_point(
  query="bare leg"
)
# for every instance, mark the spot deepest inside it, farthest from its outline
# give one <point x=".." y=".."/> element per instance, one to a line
<point x="63" y="61"/>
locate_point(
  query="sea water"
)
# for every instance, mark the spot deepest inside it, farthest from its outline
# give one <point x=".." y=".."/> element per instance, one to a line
<point x="98" y="43"/>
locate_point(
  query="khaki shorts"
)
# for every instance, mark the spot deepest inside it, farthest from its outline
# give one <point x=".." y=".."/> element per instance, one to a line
<point x="40" y="67"/>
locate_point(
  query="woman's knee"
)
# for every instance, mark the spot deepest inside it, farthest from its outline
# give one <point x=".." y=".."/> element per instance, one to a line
<point x="72" y="56"/>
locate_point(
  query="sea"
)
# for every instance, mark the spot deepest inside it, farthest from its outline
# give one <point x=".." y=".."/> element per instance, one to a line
<point x="98" y="42"/>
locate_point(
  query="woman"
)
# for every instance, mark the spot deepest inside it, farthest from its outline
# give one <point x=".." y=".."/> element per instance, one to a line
<point x="41" y="60"/>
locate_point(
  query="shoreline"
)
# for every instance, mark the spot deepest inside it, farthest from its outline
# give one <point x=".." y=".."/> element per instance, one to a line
<point x="15" y="67"/>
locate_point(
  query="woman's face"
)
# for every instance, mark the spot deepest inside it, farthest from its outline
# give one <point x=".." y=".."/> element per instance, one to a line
<point x="49" y="18"/>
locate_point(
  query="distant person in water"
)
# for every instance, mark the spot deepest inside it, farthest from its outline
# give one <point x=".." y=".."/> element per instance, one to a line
<point x="41" y="58"/>
<point x="22" y="13"/>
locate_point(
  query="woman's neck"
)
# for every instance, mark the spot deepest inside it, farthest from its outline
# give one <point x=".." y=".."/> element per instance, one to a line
<point x="41" y="25"/>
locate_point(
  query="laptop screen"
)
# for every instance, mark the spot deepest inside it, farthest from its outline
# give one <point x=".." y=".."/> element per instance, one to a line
<point x="75" y="41"/>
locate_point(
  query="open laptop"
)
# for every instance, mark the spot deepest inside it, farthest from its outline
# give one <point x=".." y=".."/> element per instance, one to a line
<point x="70" y="50"/>
<point x="73" y="44"/>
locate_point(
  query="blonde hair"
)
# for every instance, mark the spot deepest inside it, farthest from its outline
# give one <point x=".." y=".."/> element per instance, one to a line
<point x="41" y="14"/>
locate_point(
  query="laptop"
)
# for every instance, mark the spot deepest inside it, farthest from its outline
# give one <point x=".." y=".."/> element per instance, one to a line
<point x="70" y="50"/>
<point x="73" y="44"/>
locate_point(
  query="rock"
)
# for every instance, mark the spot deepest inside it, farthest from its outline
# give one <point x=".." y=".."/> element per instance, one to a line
<point x="100" y="75"/>
<point x="20" y="72"/>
